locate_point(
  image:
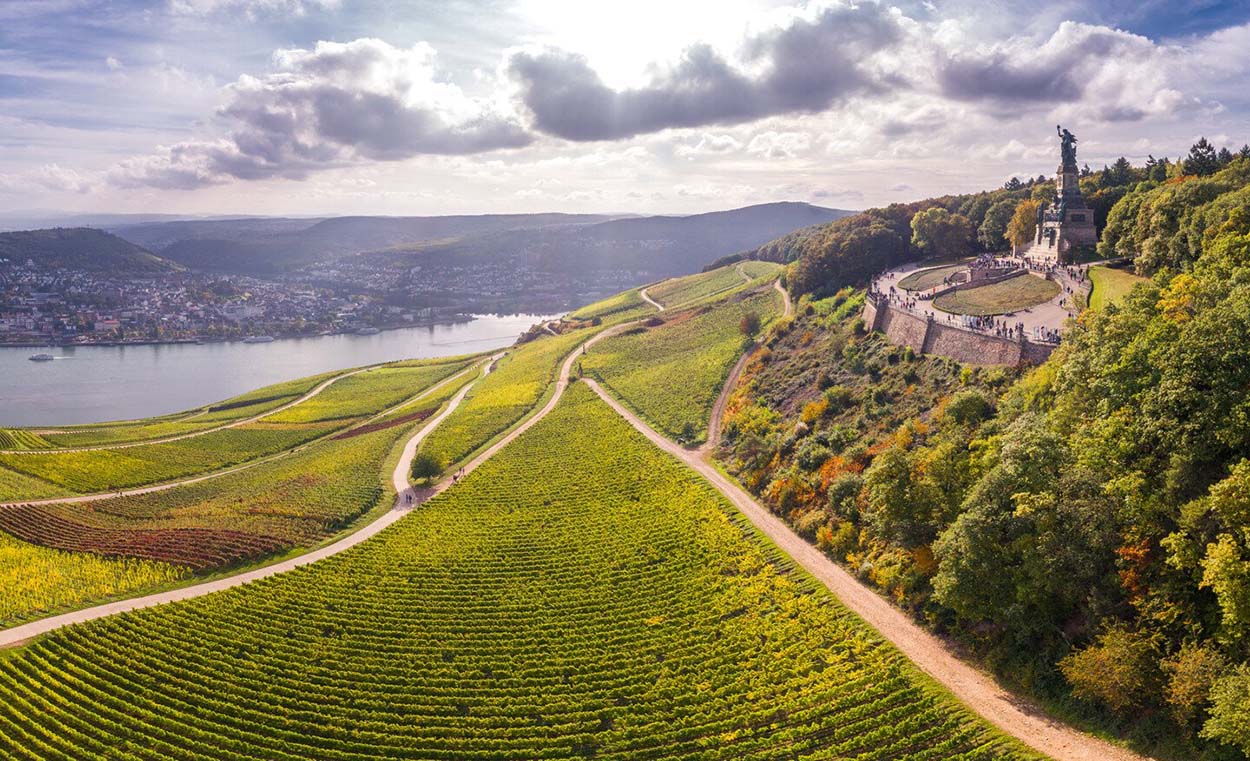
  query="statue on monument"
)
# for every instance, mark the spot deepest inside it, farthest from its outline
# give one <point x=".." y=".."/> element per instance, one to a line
<point x="1067" y="146"/>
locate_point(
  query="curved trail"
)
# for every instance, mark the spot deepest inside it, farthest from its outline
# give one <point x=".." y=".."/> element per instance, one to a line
<point x="399" y="477"/>
<point x="97" y="496"/>
<point x="128" y="444"/>
<point x="649" y="300"/>
<point x="718" y="409"/>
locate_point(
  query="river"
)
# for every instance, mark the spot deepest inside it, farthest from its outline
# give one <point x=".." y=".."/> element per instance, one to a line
<point x="89" y="384"/>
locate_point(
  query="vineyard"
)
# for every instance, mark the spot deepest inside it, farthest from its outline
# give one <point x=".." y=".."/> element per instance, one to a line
<point x="622" y="306"/>
<point x="684" y="290"/>
<point x="241" y="516"/>
<point x="36" y="580"/>
<point x="347" y="401"/>
<point x="671" y="374"/>
<point x="581" y="594"/>
<point x="503" y="397"/>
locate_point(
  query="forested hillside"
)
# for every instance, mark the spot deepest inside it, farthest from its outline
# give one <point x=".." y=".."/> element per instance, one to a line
<point x="80" y="248"/>
<point x="1085" y="525"/>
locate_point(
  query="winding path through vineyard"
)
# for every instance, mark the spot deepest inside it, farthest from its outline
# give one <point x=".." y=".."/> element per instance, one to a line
<point x="228" y="471"/>
<point x="976" y="689"/>
<point x="651" y="301"/>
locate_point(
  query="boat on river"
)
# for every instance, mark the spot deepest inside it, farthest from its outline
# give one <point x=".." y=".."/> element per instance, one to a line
<point x="41" y="357"/>
<point x="258" y="339"/>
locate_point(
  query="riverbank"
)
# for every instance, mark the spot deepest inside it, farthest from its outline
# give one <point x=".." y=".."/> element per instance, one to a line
<point x="94" y="383"/>
<point x="201" y="340"/>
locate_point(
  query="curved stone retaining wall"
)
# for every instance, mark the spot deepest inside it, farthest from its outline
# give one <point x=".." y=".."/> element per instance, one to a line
<point x="926" y="335"/>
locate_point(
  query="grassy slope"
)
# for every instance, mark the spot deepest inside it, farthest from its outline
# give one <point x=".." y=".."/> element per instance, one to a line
<point x="581" y="594"/>
<point x="1110" y="285"/>
<point x="923" y="280"/>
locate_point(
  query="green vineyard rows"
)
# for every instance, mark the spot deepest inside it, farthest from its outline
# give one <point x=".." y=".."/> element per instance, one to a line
<point x="346" y="401"/>
<point x="502" y="398"/>
<point x="671" y="374"/>
<point x="683" y="290"/>
<point x="241" y="407"/>
<point x="579" y="595"/>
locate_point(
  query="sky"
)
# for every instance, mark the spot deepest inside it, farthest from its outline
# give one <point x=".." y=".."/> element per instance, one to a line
<point x="315" y="107"/>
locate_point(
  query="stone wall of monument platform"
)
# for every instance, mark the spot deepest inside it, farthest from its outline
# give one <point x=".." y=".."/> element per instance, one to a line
<point x="926" y="335"/>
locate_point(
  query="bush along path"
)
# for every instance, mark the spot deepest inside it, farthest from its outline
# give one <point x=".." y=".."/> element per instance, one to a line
<point x="407" y="497"/>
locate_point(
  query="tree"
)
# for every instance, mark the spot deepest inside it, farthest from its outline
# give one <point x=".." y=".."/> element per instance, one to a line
<point x="1224" y="157"/>
<point x="1013" y="184"/>
<point x="993" y="230"/>
<point x="426" y="466"/>
<point x="1022" y="228"/>
<point x="1121" y="172"/>
<point x="939" y="233"/>
<point x="750" y="324"/>
<point x="1202" y="159"/>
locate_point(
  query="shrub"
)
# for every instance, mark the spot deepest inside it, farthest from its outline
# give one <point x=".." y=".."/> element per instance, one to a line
<point x="1191" y="674"/>
<point x="1119" y="670"/>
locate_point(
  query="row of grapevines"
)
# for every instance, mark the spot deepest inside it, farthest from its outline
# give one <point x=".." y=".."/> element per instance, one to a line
<point x="671" y="374"/>
<point x="35" y="580"/>
<point x="241" y="407"/>
<point x="581" y="594"/>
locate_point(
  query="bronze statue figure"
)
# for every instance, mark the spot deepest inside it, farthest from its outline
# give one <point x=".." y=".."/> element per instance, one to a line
<point x="1067" y="146"/>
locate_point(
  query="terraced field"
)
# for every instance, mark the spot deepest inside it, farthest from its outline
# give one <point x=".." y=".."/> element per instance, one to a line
<point x="350" y="400"/>
<point x="241" y="516"/>
<point x="503" y="397"/>
<point x="683" y="290"/>
<point x="671" y="374"/>
<point x="35" y="580"/>
<point x="579" y="595"/>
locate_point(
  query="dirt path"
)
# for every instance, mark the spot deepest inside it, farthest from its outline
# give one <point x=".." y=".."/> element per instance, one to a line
<point x="127" y="444"/>
<point x="785" y="296"/>
<point x="651" y="301"/>
<point x="399" y="478"/>
<point x="972" y="686"/>
<point x="731" y="382"/>
<point x="254" y="463"/>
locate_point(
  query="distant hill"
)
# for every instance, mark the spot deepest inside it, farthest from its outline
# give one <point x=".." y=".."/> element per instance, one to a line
<point x="81" y="248"/>
<point x="661" y="245"/>
<point x="276" y="244"/>
<point x="566" y="242"/>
